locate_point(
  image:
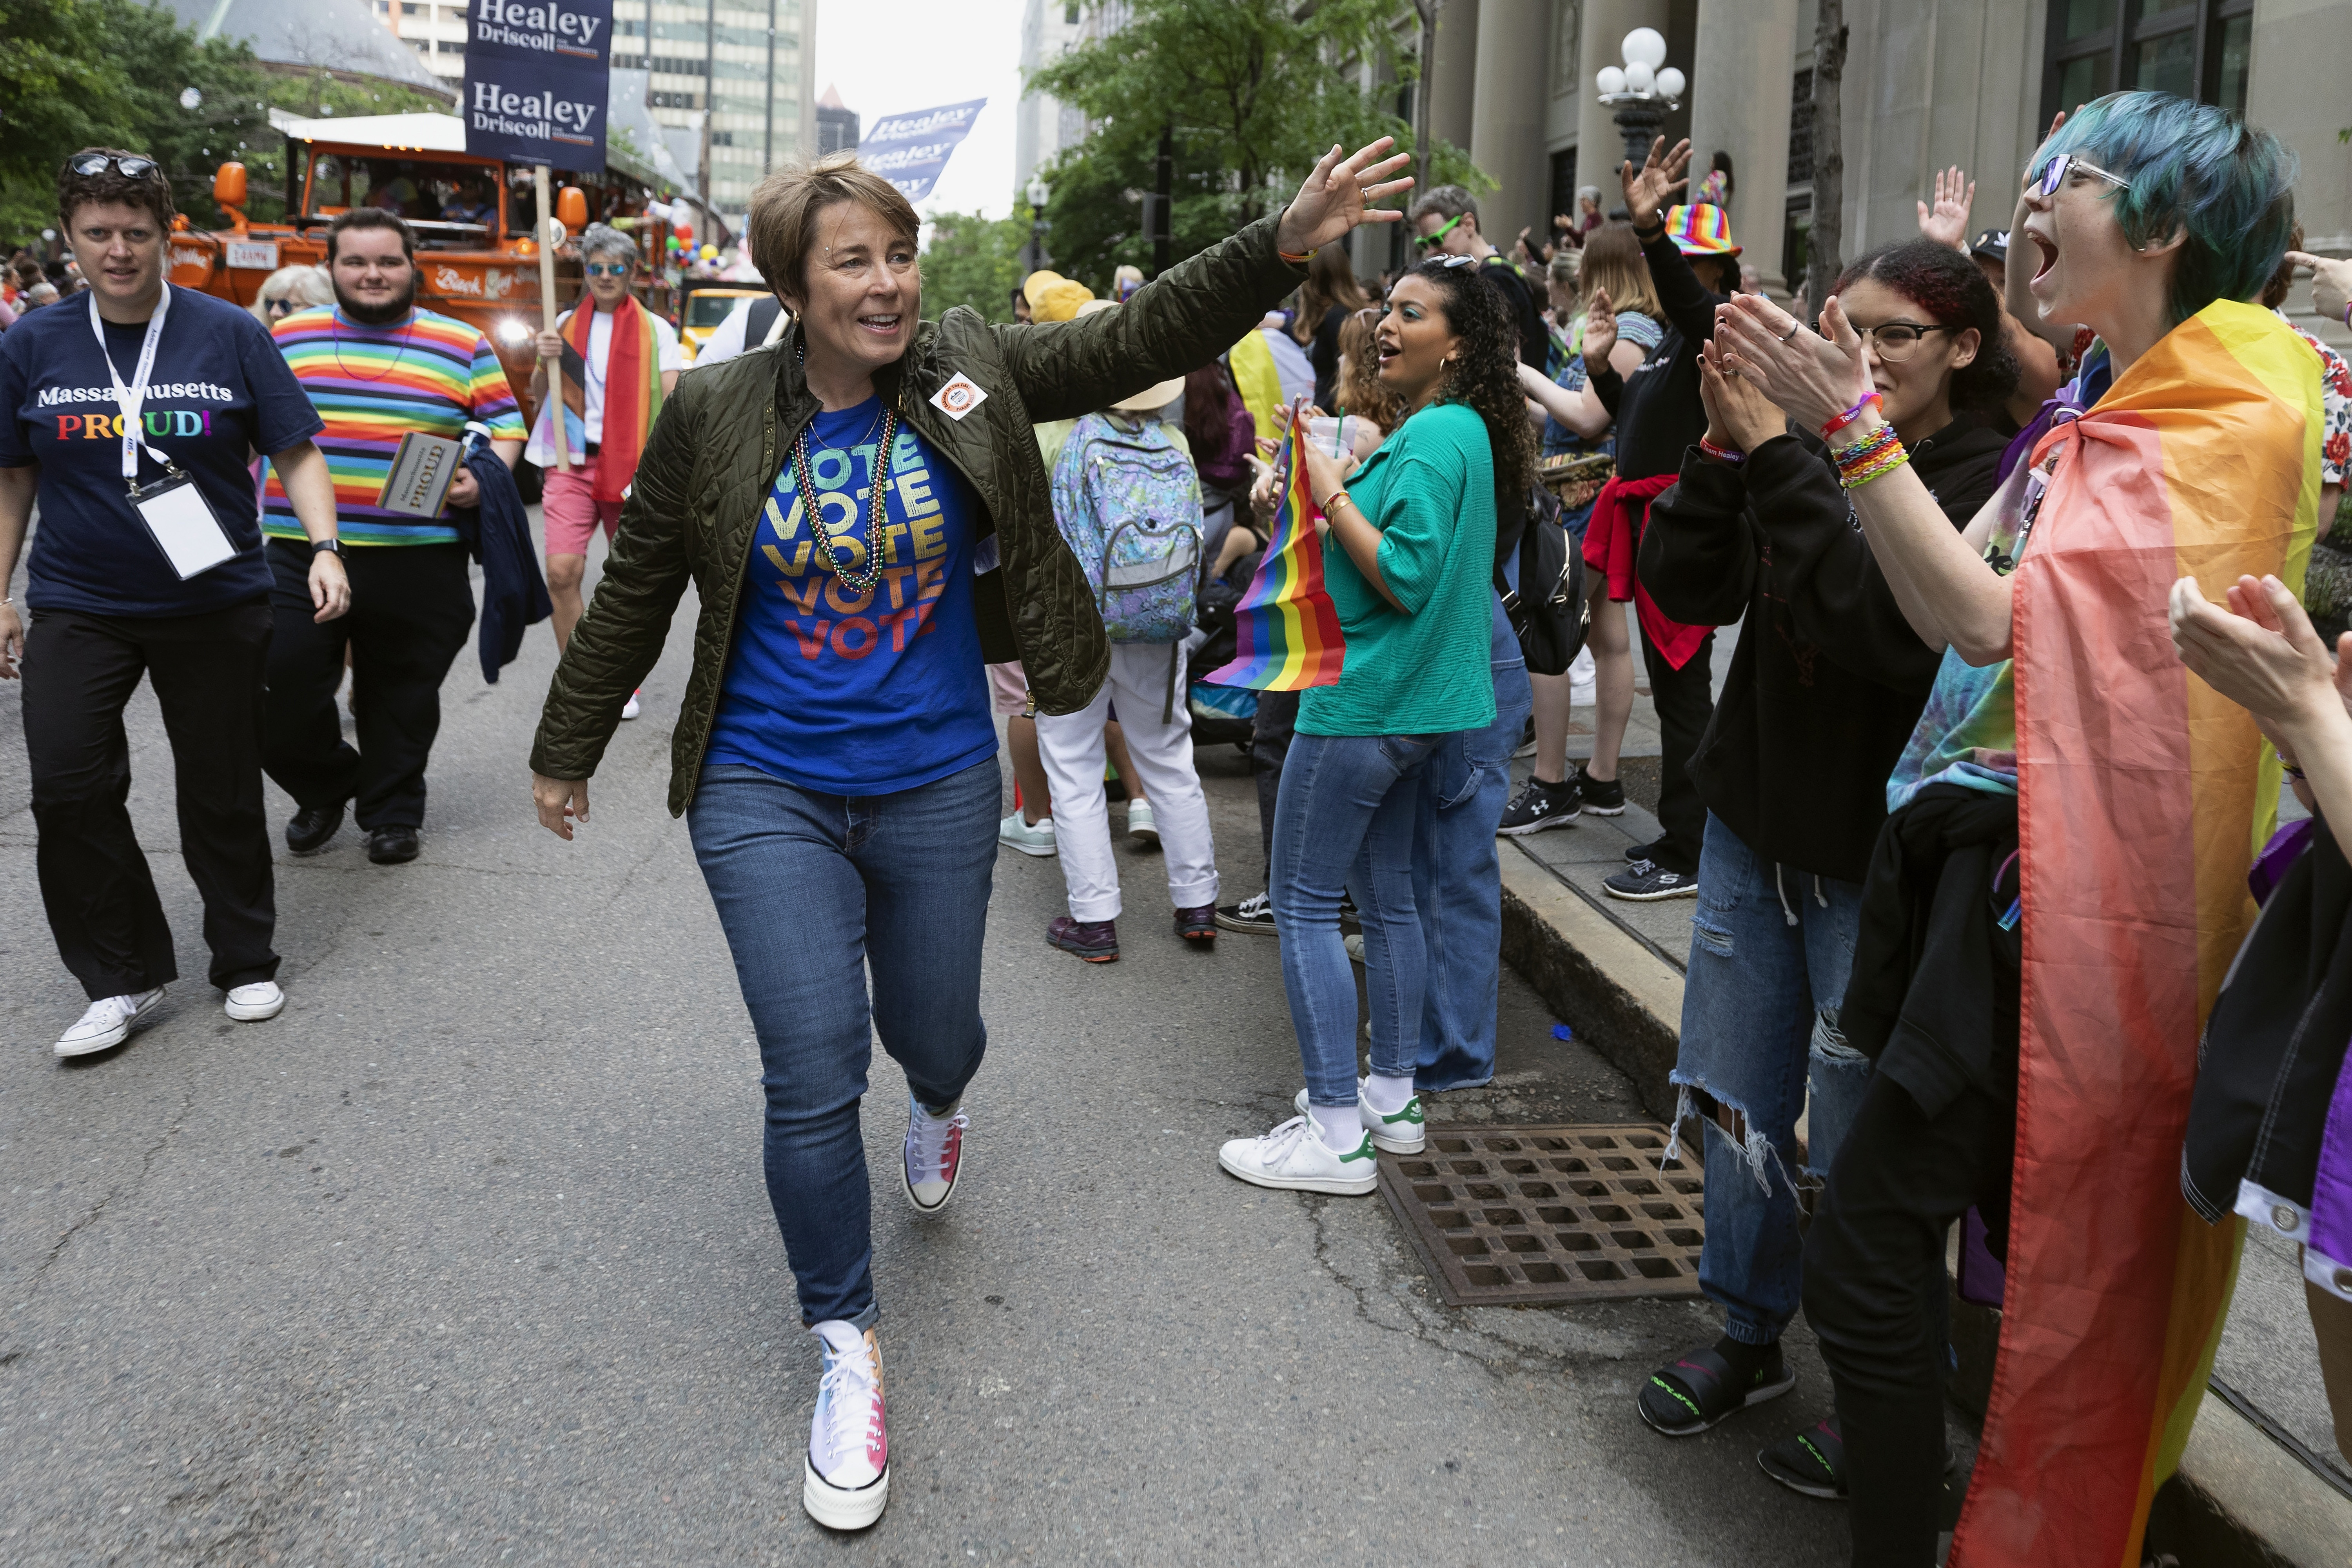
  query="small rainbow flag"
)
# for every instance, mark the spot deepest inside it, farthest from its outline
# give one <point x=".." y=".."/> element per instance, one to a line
<point x="1286" y="628"/>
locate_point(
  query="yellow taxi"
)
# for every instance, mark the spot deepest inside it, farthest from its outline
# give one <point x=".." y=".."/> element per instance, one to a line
<point x="705" y="309"/>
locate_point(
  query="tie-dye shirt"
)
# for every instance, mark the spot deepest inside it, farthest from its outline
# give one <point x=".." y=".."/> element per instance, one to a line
<point x="1966" y="734"/>
<point x="373" y="386"/>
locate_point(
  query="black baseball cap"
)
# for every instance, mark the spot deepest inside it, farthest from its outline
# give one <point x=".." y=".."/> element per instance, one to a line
<point x="1992" y="244"/>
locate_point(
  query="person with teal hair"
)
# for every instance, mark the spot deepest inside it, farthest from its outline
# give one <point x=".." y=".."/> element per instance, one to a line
<point x="2065" y="855"/>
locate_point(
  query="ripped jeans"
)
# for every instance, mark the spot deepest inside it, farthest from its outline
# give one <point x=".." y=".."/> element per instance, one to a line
<point x="1770" y="951"/>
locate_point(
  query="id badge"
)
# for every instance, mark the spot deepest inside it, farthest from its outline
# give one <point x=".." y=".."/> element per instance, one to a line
<point x="182" y="521"/>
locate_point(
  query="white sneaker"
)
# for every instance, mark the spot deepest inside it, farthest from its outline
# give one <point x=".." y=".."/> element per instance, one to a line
<point x="1402" y="1133"/>
<point x="107" y="1024"/>
<point x="1294" y="1156"/>
<point x="252" y="1004"/>
<point x="1354" y="943"/>
<point x="846" y="1479"/>
<point x="934" y="1157"/>
<point x="1035" y="839"/>
<point x="1140" y="825"/>
<point x="631" y="709"/>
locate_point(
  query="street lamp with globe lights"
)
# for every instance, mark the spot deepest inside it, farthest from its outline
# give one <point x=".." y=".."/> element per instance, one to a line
<point x="1641" y="91"/>
<point x="1039" y="193"/>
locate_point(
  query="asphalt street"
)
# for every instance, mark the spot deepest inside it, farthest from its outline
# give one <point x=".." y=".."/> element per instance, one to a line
<point x="468" y="1258"/>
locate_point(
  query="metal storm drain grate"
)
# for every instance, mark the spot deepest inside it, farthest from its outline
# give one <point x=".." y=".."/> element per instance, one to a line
<point x="1504" y="1215"/>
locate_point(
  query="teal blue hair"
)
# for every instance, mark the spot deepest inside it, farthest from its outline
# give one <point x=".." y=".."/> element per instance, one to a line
<point x="2193" y="167"/>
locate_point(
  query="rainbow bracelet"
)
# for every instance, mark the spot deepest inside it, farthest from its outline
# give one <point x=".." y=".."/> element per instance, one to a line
<point x="1874" y="456"/>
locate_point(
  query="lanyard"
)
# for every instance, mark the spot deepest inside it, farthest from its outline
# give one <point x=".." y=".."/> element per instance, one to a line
<point x="132" y="399"/>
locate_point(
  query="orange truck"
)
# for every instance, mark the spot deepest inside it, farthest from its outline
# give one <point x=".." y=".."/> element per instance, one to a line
<point x="477" y="259"/>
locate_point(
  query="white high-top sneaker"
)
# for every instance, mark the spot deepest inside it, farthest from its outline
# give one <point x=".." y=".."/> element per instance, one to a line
<point x="847" y="1478"/>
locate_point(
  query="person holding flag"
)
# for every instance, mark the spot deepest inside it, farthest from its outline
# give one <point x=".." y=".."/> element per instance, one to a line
<point x="1412" y="587"/>
<point x="616" y="362"/>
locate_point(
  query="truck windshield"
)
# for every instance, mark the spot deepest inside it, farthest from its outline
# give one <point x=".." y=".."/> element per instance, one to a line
<point x="709" y="310"/>
<point x="449" y="204"/>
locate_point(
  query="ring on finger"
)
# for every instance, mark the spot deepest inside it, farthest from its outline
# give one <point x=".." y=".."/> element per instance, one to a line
<point x="1794" y="328"/>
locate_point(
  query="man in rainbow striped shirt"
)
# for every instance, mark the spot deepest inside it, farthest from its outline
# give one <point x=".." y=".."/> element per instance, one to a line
<point x="375" y="368"/>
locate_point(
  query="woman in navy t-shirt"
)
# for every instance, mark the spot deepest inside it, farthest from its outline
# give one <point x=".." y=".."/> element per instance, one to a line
<point x="129" y="414"/>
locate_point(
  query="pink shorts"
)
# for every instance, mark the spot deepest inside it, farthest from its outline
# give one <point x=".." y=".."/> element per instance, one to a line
<point x="1008" y="688"/>
<point x="569" y="508"/>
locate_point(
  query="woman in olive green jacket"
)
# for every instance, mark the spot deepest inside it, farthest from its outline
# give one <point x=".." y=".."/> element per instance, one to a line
<point x="836" y="753"/>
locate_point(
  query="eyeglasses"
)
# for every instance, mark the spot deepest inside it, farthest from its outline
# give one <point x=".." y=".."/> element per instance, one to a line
<point x="1898" y="340"/>
<point x="1431" y="241"/>
<point x="92" y="163"/>
<point x="2043" y="182"/>
<point x="598" y="269"/>
<point x="281" y="306"/>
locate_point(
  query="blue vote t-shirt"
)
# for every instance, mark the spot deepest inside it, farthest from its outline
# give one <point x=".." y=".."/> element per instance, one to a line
<point x="851" y="693"/>
<point x="218" y="393"/>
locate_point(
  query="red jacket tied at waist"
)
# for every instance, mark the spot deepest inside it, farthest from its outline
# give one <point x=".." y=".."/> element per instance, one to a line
<point x="1610" y="540"/>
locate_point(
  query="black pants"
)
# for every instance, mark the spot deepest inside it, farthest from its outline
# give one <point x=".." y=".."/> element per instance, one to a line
<point x="1270" y="733"/>
<point x="412" y="605"/>
<point x="79" y="671"/>
<point x="1873" y="1293"/>
<point x="1684" y="699"/>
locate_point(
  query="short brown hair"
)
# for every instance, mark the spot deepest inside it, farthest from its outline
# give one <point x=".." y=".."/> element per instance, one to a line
<point x="372" y="217"/>
<point x="781" y="226"/>
<point x="151" y="191"/>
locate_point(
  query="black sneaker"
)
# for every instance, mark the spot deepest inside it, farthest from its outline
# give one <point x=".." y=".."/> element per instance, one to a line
<point x="1538" y="805"/>
<point x="1646" y="882"/>
<point x="1252" y="916"/>
<point x="1601" y="797"/>
<point x="313" y="826"/>
<point x="1643" y="851"/>
<point x="392" y="846"/>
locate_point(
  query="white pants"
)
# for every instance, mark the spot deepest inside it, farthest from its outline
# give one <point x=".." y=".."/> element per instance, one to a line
<point x="1072" y="746"/>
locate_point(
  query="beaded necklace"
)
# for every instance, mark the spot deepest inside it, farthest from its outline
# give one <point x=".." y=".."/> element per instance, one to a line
<point x="865" y="579"/>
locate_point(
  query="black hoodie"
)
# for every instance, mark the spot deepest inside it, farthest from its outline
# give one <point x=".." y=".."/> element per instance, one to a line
<point x="1829" y="679"/>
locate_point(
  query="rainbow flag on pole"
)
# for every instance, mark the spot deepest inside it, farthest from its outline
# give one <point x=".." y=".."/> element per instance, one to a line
<point x="2142" y="794"/>
<point x="1286" y="628"/>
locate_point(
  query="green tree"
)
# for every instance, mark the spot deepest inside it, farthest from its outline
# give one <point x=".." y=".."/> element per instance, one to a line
<point x="973" y="260"/>
<point x="59" y="88"/>
<point x="1253" y="92"/>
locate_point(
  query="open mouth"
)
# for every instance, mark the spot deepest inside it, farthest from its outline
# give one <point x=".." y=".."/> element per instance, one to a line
<point x="2049" y="251"/>
<point x="880" y="325"/>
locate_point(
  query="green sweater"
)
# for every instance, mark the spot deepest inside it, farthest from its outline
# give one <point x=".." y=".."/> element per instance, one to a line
<point x="1426" y="668"/>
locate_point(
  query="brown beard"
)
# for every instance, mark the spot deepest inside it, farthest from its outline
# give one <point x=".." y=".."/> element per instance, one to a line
<point x="378" y="315"/>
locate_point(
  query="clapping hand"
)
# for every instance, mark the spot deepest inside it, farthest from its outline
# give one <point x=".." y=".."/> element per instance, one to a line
<point x="1737" y="416"/>
<point x="1812" y="377"/>
<point x="1599" y="331"/>
<point x="1648" y="188"/>
<point x="1338" y="195"/>
<point x="1946" y="223"/>
<point x="2261" y="653"/>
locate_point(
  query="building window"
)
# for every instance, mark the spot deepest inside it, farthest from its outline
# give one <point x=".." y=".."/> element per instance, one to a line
<point x="1801" y="129"/>
<point x="1563" y="189"/>
<point x="1567" y="23"/>
<point x="1070" y="14"/>
<point x="2192" y="49"/>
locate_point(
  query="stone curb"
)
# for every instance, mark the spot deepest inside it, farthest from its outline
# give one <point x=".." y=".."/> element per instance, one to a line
<point x="2240" y="1501"/>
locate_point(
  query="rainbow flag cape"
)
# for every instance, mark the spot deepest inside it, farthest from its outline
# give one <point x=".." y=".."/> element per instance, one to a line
<point x="2143" y="794"/>
<point x="1285" y="627"/>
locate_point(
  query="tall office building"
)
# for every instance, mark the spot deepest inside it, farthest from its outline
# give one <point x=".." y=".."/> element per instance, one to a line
<point x="1045" y="125"/>
<point x="836" y="125"/>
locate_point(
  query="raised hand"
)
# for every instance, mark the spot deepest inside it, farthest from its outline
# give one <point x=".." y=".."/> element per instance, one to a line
<point x="1662" y="176"/>
<point x="1599" y="331"/>
<point x="2260" y="653"/>
<point x="1338" y="195"/>
<point x="1947" y="222"/>
<point x="1812" y="378"/>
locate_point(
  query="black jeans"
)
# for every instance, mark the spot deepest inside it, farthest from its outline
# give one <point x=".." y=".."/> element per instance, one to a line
<point x="1684" y="699"/>
<point x="412" y="605"/>
<point x="1873" y="1293"/>
<point x="1270" y="734"/>
<point x="79" y="671"/>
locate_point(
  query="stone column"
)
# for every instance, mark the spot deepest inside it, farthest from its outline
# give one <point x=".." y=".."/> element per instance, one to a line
<point x="1739" y="89"/>
<point x="1600" y="147"/>
<point x="1453" y="73"/>
<point x="1514" y="68"/>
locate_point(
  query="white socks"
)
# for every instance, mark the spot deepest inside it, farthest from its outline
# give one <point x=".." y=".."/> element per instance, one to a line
<point x="1341" y="1127"/>
<point x="1388" y="1095"/>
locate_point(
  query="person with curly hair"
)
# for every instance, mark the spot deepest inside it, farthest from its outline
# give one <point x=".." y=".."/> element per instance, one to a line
<point x="1414" y="528"/>
<point x="1792" y="772"/>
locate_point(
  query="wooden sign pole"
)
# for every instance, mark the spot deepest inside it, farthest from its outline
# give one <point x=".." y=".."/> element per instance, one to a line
<point x="547" y="243"/>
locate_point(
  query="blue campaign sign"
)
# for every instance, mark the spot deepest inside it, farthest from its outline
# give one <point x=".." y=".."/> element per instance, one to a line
<point x="537" y="79"/>
<point x="910" y="150"/>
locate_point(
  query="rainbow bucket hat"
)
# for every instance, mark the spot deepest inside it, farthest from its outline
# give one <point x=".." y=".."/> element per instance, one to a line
<point x="1700" y="229"/>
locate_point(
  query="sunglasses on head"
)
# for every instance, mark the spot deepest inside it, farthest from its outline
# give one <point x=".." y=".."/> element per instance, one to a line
<point x="93" y="163"/>
<point x="1453" y="262"/>
<point x="1428" y="241"/>
<point x="2045" y="180"/>
<point x="602" y="269"/>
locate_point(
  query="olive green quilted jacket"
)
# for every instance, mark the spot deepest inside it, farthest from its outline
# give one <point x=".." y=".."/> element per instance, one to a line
<point x="721" y="438"/>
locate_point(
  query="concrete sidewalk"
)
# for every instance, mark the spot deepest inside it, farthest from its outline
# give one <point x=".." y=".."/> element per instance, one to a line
<point x="2269" y="1489"/>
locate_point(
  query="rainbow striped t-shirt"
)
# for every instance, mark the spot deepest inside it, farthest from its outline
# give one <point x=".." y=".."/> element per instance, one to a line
<point x="373" y="386"/>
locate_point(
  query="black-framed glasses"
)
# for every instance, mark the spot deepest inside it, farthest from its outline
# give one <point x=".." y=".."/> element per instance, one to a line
<point x="94" y="164"/>
<point x="2044" y="180"/>
<point x="1898" y="340"/>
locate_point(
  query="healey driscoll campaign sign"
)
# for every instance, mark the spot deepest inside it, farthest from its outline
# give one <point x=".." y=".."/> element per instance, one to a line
<point x="910" y="150"/>
<point x="537" y="79"/>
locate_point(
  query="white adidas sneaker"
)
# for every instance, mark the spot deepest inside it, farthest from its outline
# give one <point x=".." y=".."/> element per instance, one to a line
<point x="1402" y="1133"/>
<point x="1295" y="1157"/>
